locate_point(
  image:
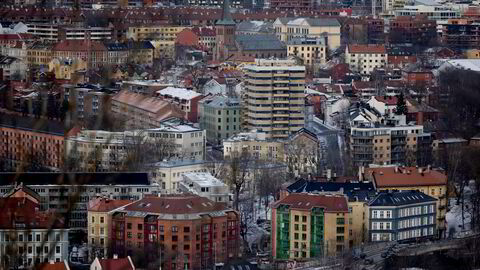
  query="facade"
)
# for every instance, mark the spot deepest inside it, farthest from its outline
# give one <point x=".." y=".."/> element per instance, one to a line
<point x="23" y="142"/>
<point x="65" y="69"/>
<point x="418" y="30"/>
<point x="57" y="197"/>
<point x="365" y="58"/>
<point x="168" y="174"/>
<point x="186" y="100"/>
<point x="37" y="235"/>
<point x="426" y="180"/>
<point x="44" y="31"/>
<point x="276" y="100"/>
<point x="220" y="117"/>
<point x="306" y="226"/>
<point x="311" y="51"/>
<point x="358" y="194"/>
<point x="366" y="30"/>
<point x="141" y="111"/>
<point x="206" y="185"/>
<point x="117" y="53"/>
<point x="39" y="54"/>
<point x="385" y="145"/>
<point x="97" y="150"/>
<point x="434" y="12"/>
<point x="194" y="232"/>
<point x="402" y="215"/>
<point x="13" y="68"/>
<point x="287" y="29"/>
<point x="141" y="52"/>
<point x="83" y="33"/>
<point x="99" y="225"/>
<point x="93" y="52"/>
<point x="256" y="143"/>
<point x="154" y="32"/>
<point x="86" y="102"/>
<point x="461" y="34"/>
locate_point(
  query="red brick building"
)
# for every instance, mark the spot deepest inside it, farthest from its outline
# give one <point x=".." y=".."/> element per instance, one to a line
<point x="413" y="75"/>
<point x="176" y="232"/>
<point x="412" y="29"/>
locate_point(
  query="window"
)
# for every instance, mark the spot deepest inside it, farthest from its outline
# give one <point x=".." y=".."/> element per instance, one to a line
<point x="129" y="235"/>
<point x="140" y="235"/>
<point x="296" y="227"/>
<point x="304" y="228"/>
<point x="102" y="219"/>
<point x="129" y="226"/>
<point x="340" y="229"/>
<point x="174" y="229"/>
<point x="37" y="237"/>
<point x="93" y="219"/>
<point x="297" y="218"/>
<point x="102" y="231"/>
<point x="140" y="226"/>
<point x="57" y="249"/>
<point x="304" y="218"/>
<point x="30" y="250"/>
<point x="102" y="241"/>
<point x="174" y="238"/>
<point x="186" y="229"/>
<point x="295" y="236"/>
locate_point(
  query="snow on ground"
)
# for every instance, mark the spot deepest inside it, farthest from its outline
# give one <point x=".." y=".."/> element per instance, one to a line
<point x="454" y="215"/>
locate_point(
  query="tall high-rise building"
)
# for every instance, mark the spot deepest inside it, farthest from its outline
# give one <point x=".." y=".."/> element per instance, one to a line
<point x="275" y="97"/>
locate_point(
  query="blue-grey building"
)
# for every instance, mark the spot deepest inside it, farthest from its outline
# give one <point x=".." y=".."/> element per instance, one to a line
<point x="401" y="215"/>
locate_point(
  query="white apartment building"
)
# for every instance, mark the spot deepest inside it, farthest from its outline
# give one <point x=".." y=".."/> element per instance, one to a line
<point x="168" y="174"/>
<point x="275" y="96"/>
<point x="433" y="12"/>
<point x="186" y="100"/>
<point x="310" y="50"/>
<point x="44" y="31"/>
<point x="97" y="150"/>
<point x="206" y="185"/>
<point x="365" y="58"/>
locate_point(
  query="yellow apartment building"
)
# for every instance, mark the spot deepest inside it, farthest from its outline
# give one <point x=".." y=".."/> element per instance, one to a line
<point x="154" y="32"/>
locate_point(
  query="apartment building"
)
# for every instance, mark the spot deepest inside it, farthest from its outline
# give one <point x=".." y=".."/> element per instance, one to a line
<point x="461" y="34"/>
<point x="141" y="52"/>
<point x="287" y="29"/>
<point x="86" y="102"/>
<point x="97" y="150"/>
<point x="13" y="68"/>
<point x="220" y="117"/>
<point x="358" y="194"/>
<point x="168" y="174"/>
<point x="206" y="185"/>
<point x="434" y="12"/>
<point x="94" y="52"/>
<point x="186" y="231"/>
<point x="366" y="30"/>
<point x="256" y="143"/>
<point x="385" y="145"/>
<point x="163" y="32"/>
<point x="66" y="69"/>
<point x="402" y="215"/>
<point x="98" y="230"/>
<point x="117" y="53"/>
<point x="365" y="58"/>
<point x="429" y="181"/>
<point x="163" y="49"/>
<point x="275" y="97"/>
<point x="186" y="100"/>
<point x="31" y="235"/>
<point x="141" y="111"/>
<point x="311" y="51"/>
<point x="417" y="29"/>
<point x="308" y="225"/>
<point x="28" y="142"/>
<point x="56" y="191"/>
<point x="82" y="33"/>
<point x="39" y="54"/>
<point x="44" y="31"/>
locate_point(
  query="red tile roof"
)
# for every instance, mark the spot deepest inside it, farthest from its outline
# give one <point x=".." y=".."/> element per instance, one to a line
<point x="389" y="100"/>
<point x="116" y="264"/>
<point x="22" y="210"/>
<point x="78" y="46"/>
<point x="370" y="48"/>
<point x="304" y="201"/>
<point x="178" y="204"/>
<point x="386" y="177"/>
<point x="52" y="266"/>
<point x="105" y="205"/>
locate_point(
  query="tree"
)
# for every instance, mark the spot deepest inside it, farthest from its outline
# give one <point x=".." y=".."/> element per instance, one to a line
<point x="401" y="105"/>
<point x="268" y="182"/>
<point x="237" y="173"/>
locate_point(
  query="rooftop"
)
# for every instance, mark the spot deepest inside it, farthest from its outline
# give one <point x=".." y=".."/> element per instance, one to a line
<point x="369" y="48"/>
<point x="306" y="201"/>
<point x="178" y="204"/>
<point x="105" y="204"/>
<point x="223" y="102"/>
<point x="54" y="178"/>
<point x="260" y="42"/>
<point x="32" y="124"/>
<point x="203" y="179"/>
<point x="116" y="264"/>
<point x="400" y="197"/>
<point x="181" y="93"/>
<point x="387" y="177"/>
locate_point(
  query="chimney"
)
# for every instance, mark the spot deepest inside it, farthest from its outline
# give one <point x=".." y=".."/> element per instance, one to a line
<point x="396" y="169"/>
<point x="115" y="256"/>
<point x="420" y="170"/>
<point x="329" y="174"/>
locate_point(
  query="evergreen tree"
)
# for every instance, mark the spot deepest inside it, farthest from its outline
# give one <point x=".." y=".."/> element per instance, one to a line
<point x="401" y="105"/>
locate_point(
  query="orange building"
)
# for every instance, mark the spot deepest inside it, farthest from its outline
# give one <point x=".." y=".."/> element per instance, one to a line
<point x="187" y="232"/>
<point x="28" y="141"/>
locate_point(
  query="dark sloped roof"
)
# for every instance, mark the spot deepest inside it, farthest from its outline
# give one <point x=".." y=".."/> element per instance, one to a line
<point x="306" y="201"/>
<point x="354" y="190"/>
<point x="400" y="197"/>
<point x="260" y="42"/>
<point x="323" y="22"/>
<point x="32" y="124"/>
<point x="53" y="178"/>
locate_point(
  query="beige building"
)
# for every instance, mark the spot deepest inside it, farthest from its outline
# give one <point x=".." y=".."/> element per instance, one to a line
<point x="64" y="69"/>
<point x="39" y="54"/>
<point x="256" y="143"/>
<point x="429" y="181"/>
<point x="99" y="227"/>
<point x="472" y="54"/>
<point x="164" y="48"/>
<point x="163" y="32"/>
<point x="311" y="51"/>
<point x="287" y="29"/>
<point x="275" y="97"/>
<point x="365" y="58"/>
<point x="168" y="174"/>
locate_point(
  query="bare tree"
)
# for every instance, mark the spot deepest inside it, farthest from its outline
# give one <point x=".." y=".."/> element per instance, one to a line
<point x="237" y="173"/>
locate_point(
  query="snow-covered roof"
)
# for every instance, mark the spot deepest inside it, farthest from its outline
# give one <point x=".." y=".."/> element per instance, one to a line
<point x="467" y="64"/>
<point x="181" y="93"/>
<point x="203" y="179"/>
